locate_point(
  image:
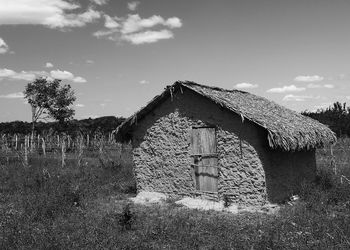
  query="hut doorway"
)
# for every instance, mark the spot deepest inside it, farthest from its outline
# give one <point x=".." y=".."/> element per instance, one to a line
<point x="204" y="159"/>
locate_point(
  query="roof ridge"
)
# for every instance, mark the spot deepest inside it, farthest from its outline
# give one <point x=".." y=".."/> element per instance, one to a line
<point x="209" y="87"/>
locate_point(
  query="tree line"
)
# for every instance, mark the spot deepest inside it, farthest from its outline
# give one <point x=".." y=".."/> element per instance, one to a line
<point x="336" y="116"/>
<point x="104" y="125"/>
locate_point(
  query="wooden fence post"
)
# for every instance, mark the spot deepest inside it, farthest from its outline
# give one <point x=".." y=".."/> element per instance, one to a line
<point x="333" y="163"/>
<point x="43" y="146"/>
<point x="63" y="151"/>
<point x="26" y="145"/>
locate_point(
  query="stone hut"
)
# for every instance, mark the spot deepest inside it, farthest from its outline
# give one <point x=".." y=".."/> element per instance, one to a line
<point x="196" y="140"/>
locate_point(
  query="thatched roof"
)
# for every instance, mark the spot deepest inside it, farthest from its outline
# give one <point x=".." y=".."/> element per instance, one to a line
<point x="286" y="129"/>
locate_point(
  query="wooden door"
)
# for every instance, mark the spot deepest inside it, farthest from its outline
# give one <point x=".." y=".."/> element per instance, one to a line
<point x="204" y="159"/>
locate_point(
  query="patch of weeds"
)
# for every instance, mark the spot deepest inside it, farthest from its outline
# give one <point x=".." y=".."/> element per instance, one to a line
<point x="127" y="217"/>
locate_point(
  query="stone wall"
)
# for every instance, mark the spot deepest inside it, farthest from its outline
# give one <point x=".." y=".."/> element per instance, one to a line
<point x="162" y="147"/>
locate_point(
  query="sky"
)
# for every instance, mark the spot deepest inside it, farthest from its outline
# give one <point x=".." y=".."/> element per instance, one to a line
<point x="117" y="55"/>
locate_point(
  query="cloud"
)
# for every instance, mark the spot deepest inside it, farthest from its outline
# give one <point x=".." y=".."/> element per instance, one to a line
<point x="111" y="23"/>
<point x="314" y="78"/>
<point x="13" y="95"/>
<point x="79" y="79"/>
<point x="137" y="30"/>
<point x="4" y="48"/>
<point x="135" y="23"/>
<point x="133" y="5"/>
<point x="52" y="14"/>
<point x="246" y="85"/>
<point x="328" y="86"/>
<point x="48" y="65"/>
<point x="313" y="86"/>
<point x="143" y="82"/>
<point x="284" y="89"/>
<point x="79" y="105"/>
<point x="298" y="98"/>
<point x="89" y="61"/>
<point x="173" y="22"/>
<point x="148" y="36"/>
<point x="100" y="2"/>
<point x="105" y="33"/>
<point x="31" y="75"/>
<point x="341" y="77"/>
<point x="62" y="75"/>
<point x="13" y="75"/>
<point x="66" y="75"/>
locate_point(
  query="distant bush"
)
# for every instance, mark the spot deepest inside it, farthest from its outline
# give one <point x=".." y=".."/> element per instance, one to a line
<point x="337" y="117"/>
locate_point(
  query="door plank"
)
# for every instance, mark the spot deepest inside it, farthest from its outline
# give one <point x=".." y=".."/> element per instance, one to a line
<point x="205" y="168"/>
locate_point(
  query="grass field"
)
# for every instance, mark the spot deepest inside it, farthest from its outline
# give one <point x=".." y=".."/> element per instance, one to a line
<point x="47" y="206"/>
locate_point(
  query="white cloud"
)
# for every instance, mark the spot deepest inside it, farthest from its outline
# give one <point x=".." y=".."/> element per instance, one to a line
<point x="6" y="72"/>
<point x="111" y="23"/>
<point x="99" y="2"/>
<point x="137" y="30"/>
<point x="31" y="75"/>
<point x="13" y="95"/>
<point x="66" y="75"/>
<point x="313" y="86"/>
<point x="246" y="85"/>
<point x="4" y="48"/>
<point x="104" y="33"/>
<point x="133" y="5"/>
<point x="148" y="36"/>
<point x="13" y="75"/>
<point x="75" y="20"/>
<point x="79" y="79"/>
<point x="135" y="23"/>
<point x="298" y="98"/>
<point x="143" y="82"/>
<point x="52" y="14"/>
<point x="79" y="105"/>
<point x="284" y="89"/>
<point x="341" y="76"/>
<point x="173" y="22"/>
<point x="314" y="78"/>
<point x="89" y="61"/>
<point x="62" y="75"/>
<point x="328" y="86"/>
<point x="48" y="65"/>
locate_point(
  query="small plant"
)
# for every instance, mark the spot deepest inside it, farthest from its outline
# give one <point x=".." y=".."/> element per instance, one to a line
<point x="127" y="217"/>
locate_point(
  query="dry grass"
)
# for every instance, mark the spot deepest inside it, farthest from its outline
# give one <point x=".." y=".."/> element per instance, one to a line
<point x="85" y="208"/>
